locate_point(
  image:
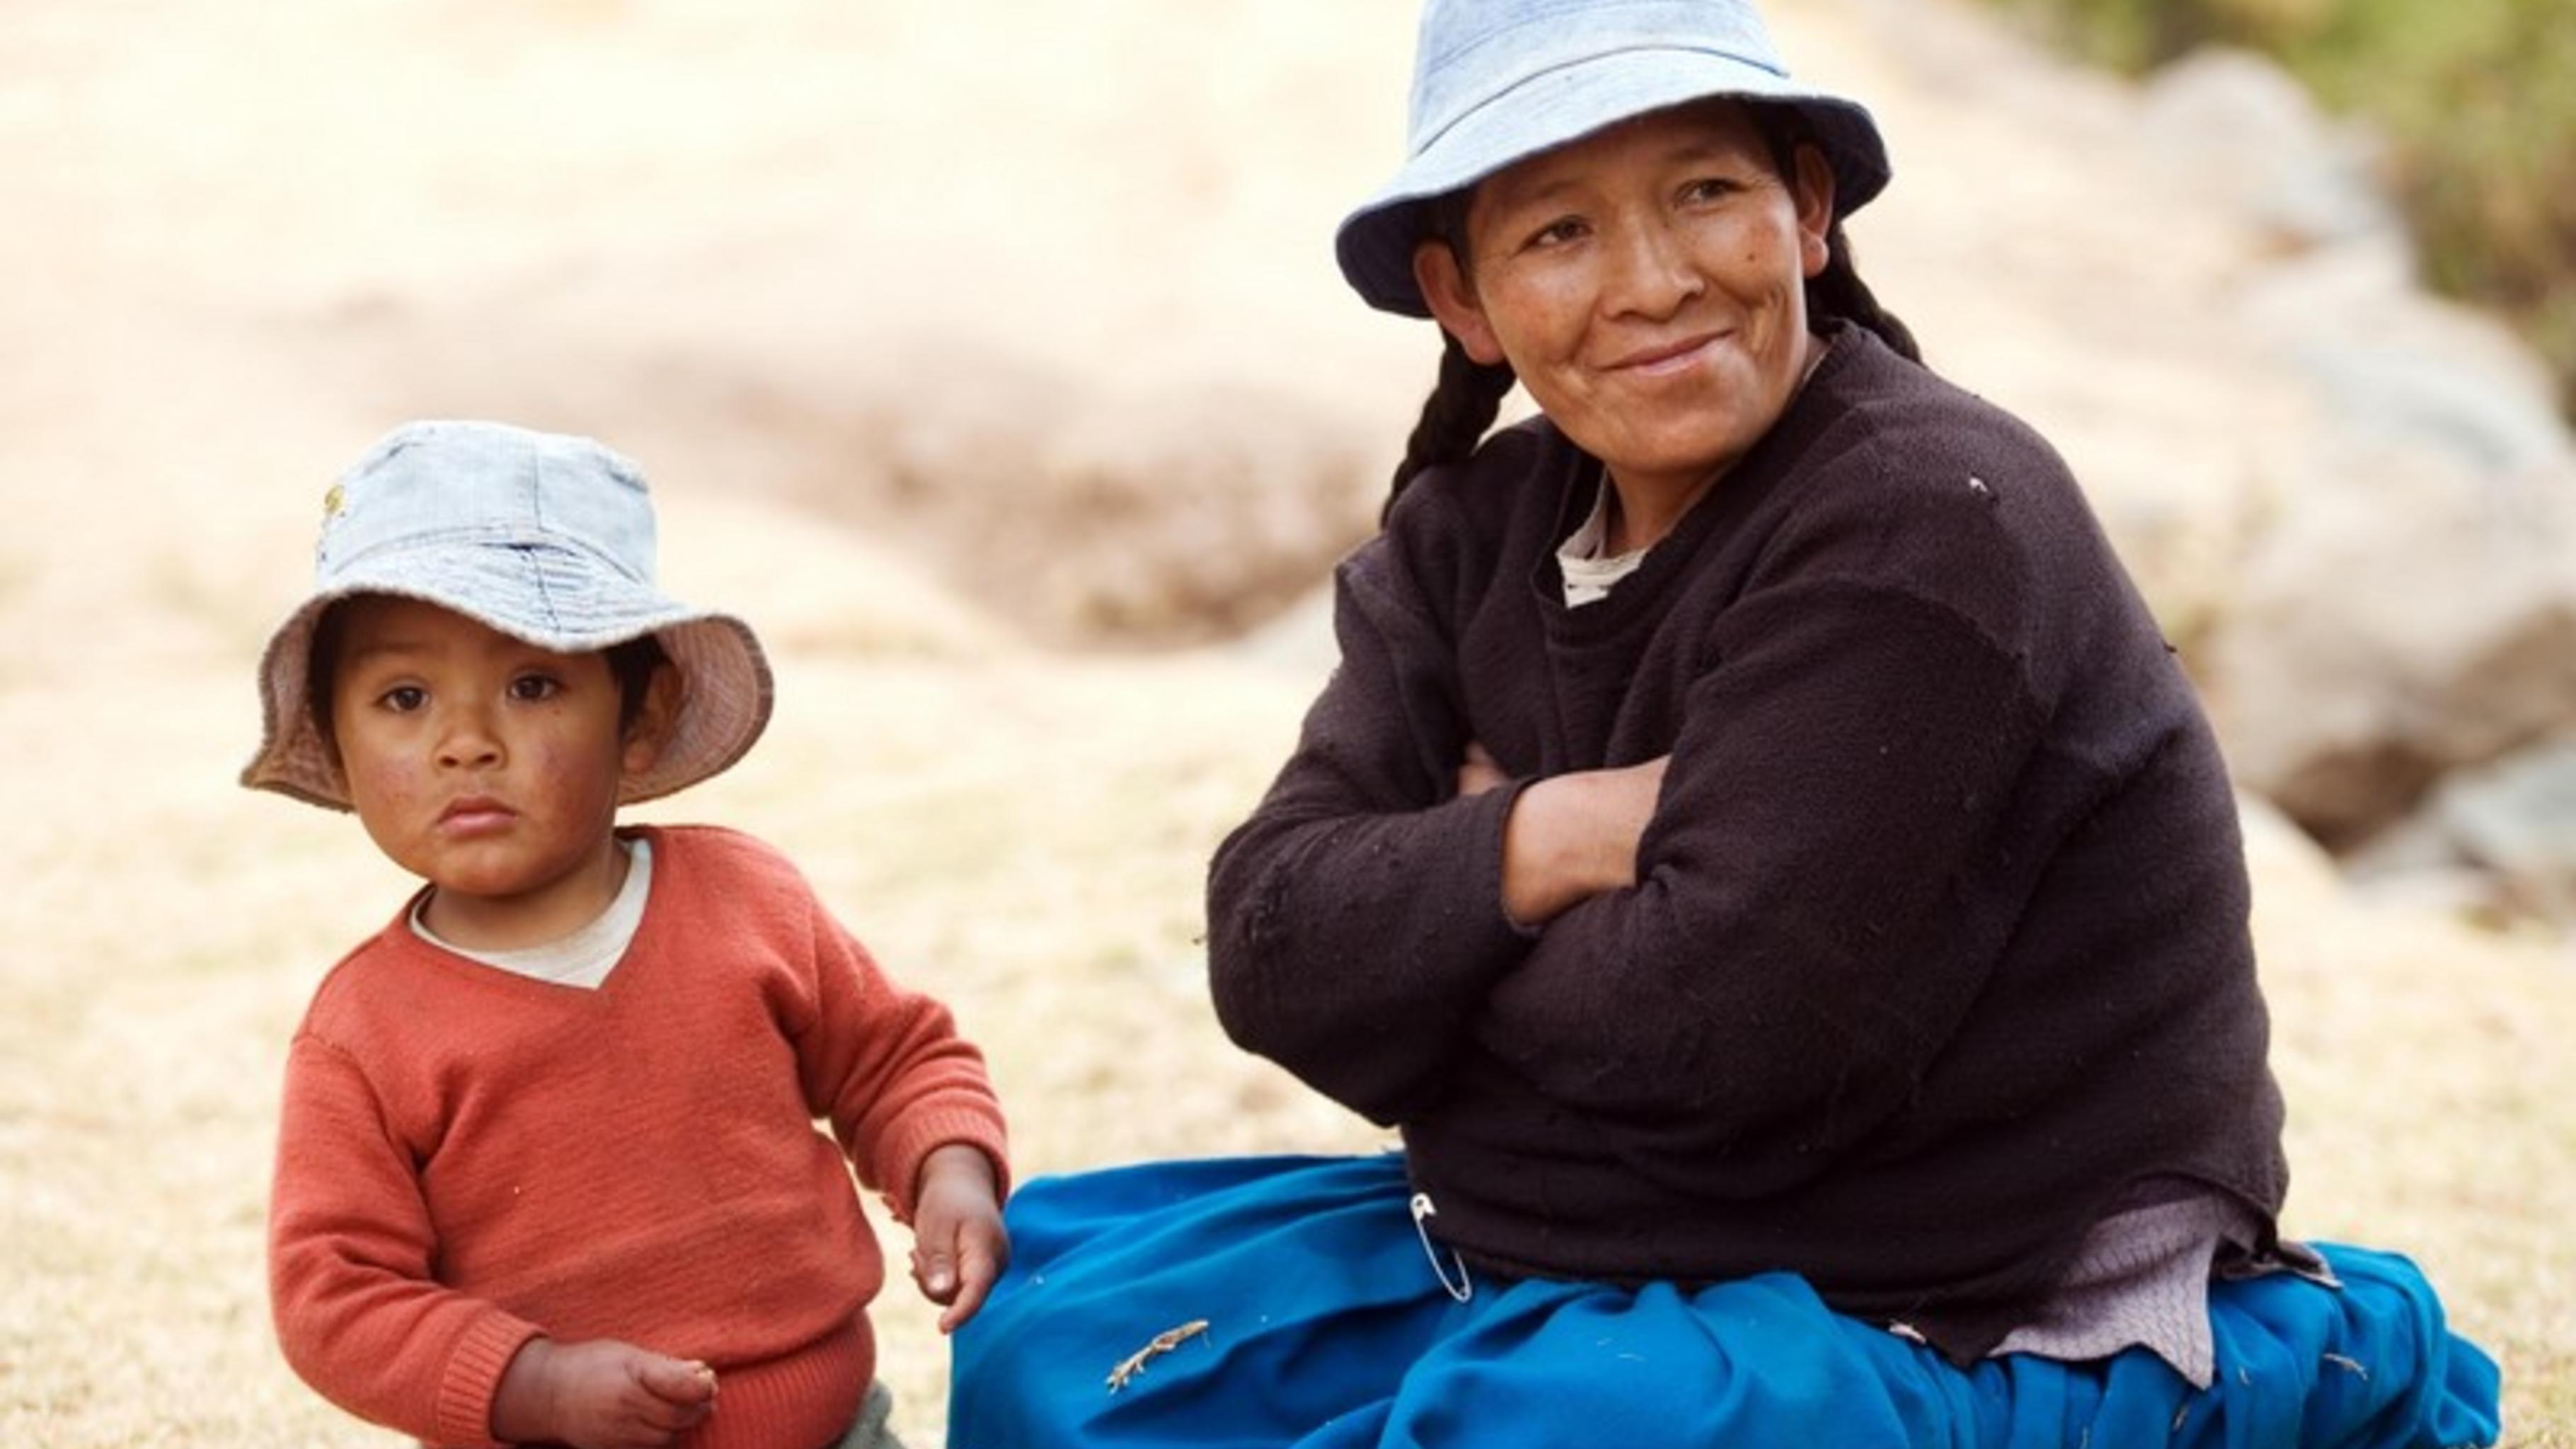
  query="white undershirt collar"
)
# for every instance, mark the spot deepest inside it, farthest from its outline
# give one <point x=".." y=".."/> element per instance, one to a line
<point x="585" y="957"/>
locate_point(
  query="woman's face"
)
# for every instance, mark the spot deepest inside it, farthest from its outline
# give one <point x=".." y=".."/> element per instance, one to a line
<point x="1647" y="284"/>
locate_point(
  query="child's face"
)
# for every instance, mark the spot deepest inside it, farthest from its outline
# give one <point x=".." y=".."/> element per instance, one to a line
<point x="487" y="766"/>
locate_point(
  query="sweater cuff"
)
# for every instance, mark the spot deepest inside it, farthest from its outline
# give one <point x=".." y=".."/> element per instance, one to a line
<point x="922" y="1132"/>
<point x="474" y="1369"/>
<point x="1493" y="817"/>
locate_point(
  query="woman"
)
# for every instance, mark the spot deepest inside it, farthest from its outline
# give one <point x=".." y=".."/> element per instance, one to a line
<point x="1759" y="850"/>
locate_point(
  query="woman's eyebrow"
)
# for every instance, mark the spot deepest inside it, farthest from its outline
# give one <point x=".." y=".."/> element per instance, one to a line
<point x="1704" y="152"/>
<point x="1536" y="193"/>
<point x="1553" y="188"/>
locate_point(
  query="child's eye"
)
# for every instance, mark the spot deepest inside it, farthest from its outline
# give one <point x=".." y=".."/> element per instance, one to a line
<point x="534" y="688"/>
<point x="403" y="698"/>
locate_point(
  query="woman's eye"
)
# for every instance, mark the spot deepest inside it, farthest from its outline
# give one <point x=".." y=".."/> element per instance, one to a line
<point x="1707" y="189"/>
<point x="403" y="698"/>
<point x="1557" y="233"/>
<point x="531" y="688"/>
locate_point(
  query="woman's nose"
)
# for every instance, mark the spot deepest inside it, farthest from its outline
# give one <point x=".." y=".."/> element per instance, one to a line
<point x="1650" y="272"/>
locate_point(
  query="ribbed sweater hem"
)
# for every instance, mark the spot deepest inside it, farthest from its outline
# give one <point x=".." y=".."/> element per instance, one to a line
<point x="474" y="1369"/>
<point x="805" y="1400"/>
<point x="911" y="1140"/>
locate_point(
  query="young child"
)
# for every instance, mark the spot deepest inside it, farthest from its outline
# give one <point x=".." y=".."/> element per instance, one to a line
<point x="548" y="1168"/>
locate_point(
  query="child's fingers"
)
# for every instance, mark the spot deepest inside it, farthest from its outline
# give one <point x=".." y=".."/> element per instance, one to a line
<point x="970" y="1296"/>
<point x="934" y="1266"/>
<point x="678" y="1381"/>
<point x="981" y="1257"/>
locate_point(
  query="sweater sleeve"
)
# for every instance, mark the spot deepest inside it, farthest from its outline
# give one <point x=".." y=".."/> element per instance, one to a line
<point x="351" y="1256"/>
<point x="1819" y="892"/>
<point x="1355" y="921"/>
<point x="887" y="1067"/>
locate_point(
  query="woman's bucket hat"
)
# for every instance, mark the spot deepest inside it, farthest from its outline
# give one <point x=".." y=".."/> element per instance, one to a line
<point x="543" y="537"/>
<point x="1495" y="81"/>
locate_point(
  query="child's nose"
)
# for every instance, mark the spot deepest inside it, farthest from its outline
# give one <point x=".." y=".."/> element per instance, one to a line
<point x="468" y="742"/>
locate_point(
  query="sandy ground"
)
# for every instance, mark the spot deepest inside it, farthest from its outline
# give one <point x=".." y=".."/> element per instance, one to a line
<point x="952" y="335"/>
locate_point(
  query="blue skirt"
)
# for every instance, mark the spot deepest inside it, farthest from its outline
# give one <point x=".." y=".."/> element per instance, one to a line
<point x="1258" y="1303"/>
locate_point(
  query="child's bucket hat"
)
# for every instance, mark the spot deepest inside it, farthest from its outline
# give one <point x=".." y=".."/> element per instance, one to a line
<point x="543" y="537"/>
<point x="1495" y="81"/>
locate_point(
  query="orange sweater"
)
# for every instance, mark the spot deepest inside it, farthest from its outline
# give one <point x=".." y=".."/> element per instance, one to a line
<point x="468" y="1159"/>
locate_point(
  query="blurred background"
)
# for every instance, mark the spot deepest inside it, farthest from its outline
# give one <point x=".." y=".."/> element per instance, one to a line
<point x="990" y="358"/>
<point x="2472" y="109"/>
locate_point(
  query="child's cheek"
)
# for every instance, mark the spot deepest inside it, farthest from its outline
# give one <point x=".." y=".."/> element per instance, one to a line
<point x="570" y="773"/>
<point x="398" y="788"/>
<point x="363" y="770"/>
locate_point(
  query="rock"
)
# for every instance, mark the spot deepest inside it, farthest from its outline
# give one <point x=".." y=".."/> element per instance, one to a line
<point x="2241" y="125"/>
<point x="2390" y="363"/>
<point x="2503" y="835"/>
<point x="2404" y="619"/>
<point x="2410" y="608"/>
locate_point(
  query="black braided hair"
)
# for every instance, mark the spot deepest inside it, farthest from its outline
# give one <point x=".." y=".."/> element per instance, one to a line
<point x="1462" y="405"/>
<point x="1469" y="394"/>
<point x="1838" y="292"/>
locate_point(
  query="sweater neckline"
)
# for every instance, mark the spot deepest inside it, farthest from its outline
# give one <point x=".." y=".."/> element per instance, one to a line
<point x="1762" y="471"/>
<point x="438" y="956"/>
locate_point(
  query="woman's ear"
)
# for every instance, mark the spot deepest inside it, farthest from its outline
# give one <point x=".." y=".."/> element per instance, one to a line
<point x="1813" y="191"/>
<point x="650" y="730"/>
<point x="1453" y="301"/>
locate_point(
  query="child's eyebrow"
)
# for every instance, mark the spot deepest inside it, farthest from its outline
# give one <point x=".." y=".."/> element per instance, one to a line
<point x="380" y="648"/>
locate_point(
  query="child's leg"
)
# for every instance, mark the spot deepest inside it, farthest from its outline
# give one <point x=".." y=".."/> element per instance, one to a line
<point x="870" y="1430"/>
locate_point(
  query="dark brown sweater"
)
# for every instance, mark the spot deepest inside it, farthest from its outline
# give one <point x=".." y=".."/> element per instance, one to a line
<point x="1939" y="942"/>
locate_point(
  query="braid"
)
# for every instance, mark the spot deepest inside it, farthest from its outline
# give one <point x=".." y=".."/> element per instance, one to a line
<point x="1461" y="407"/>
<point x="1838" y="291"/>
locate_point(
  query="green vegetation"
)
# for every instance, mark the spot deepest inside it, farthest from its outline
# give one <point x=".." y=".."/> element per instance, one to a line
<point x="2477" y="101"/>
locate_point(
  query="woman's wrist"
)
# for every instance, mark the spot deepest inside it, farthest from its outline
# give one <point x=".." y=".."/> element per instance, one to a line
<point x="1572" y="837"/>
<point x="1547" y="866"/>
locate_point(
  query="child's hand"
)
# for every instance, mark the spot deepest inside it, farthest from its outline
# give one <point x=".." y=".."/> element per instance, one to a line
<point x="600" y="1394"/>
<point x="959" y="1246"/>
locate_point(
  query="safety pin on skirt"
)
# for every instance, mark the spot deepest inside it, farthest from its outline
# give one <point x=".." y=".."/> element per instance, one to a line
<point x="1160" y="1344"/>
<point x="1423" y="1213"/>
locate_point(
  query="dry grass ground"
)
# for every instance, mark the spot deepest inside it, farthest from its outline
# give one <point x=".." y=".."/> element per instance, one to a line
<point x="244" y="241"/>
<point x="1024" y="834"/>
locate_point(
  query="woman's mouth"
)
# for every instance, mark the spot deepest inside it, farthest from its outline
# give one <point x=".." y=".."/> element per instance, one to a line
<point x="1662" y="358"/>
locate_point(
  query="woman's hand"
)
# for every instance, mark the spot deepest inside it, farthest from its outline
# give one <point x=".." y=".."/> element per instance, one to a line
<point x="600" y="1394"/>
<point x="959" y="1245"/>
<point x="1480" y="773"/>
<point x="1570" y="837"/>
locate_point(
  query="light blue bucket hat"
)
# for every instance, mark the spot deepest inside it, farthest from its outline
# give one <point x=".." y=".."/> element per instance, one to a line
<point x="1495" y="81"/>
<point x="541" y="536"/>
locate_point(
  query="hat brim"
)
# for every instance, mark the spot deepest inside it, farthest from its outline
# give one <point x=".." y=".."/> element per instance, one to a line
<point x="726" y="695"/>
<point x="1375" y="243"/>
